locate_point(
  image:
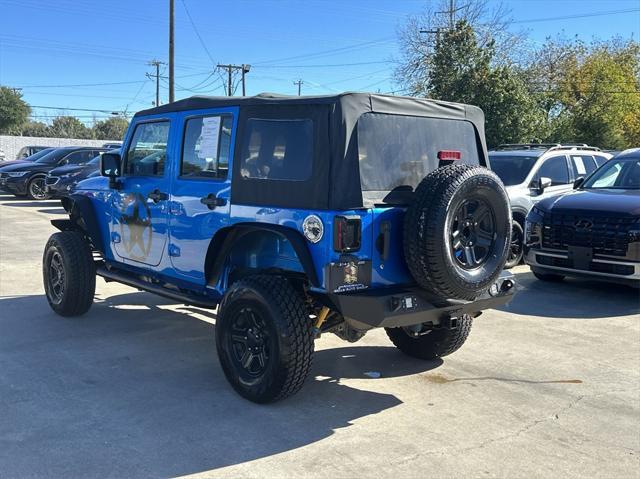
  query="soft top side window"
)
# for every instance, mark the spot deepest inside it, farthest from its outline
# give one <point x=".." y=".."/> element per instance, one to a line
<point x="277" y="150"/>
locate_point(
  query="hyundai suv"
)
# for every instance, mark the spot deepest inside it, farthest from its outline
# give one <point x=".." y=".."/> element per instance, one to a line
<point x="532" y="172"/>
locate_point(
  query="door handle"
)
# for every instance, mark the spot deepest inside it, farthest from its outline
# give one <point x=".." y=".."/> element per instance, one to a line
<point x="212" y="201"/>
<point x="157" y="195"/>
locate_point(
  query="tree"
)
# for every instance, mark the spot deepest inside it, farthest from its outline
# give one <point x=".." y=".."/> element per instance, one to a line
<point x="14" y="111"/>
<point x="69" y="127"/>
<point x="110" y="129"/>
<point x="590" y="93"/>
<point x="462" y="69"/>
<point x="35" y="128"/>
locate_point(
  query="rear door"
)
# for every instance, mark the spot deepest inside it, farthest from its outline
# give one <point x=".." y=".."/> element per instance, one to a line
<point x="140" y="204"/>
<point x="201" y="187"/>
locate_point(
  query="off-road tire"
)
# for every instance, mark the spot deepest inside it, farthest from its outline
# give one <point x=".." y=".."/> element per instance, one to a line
<point x="437" y="343"/>
<point x="69" y="251"/>
<point x="427" y="224"/>
<point x="30" y="184"/>
<point x="289" y="337"/>
<point x="517" y="241"/>
<point x="549" y="277"/>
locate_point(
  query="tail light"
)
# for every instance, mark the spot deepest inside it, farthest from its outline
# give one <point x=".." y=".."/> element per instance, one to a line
<point x="347" y="233"/>
<point x="447" y="157"/>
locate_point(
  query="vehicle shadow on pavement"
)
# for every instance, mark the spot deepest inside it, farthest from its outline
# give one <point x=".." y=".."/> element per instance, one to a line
<point x="39" y="203"/>
<point x="572" y="298"/>
<point x="133" y="389"/>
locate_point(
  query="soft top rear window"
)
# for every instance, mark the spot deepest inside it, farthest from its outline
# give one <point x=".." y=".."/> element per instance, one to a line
<point x="277" y="149"/>
<point x="396" y="151"/>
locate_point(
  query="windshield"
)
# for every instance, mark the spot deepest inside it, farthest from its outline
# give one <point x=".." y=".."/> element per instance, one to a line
<point x="396" y="150"/>
<point x="621" y="174"/>
<point x="52" y="157"/>
<point x="512" y="170"/>
<point x="39" y="155"/>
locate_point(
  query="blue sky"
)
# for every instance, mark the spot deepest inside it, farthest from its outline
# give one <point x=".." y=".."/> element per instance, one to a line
<point x="331" y="45"/>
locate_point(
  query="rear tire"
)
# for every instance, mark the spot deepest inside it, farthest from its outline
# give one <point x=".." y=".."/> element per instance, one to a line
<point x="69" y="273"/>
<point x="433" y="344"/>
<point x="264" y="338"/>
<point x="549" y="277"/>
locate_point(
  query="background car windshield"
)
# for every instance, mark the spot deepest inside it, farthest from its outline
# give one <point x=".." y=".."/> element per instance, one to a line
<point x="512" y="170"/>
<point x="397" y="150"/>
<point x="40" y="154"/>
<point x="52" y="157"/>
<point x="623" y="174"/>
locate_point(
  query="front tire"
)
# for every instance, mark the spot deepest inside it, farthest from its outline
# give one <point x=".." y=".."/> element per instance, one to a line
<point x="517" y="242"/>
<point x="264" y="338"/>
<point x="431" y="344"/>
<point x="69" y="273"/>
<point x="36" y="188"/>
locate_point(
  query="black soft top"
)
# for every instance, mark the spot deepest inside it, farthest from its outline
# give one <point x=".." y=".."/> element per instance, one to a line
<point x="336" y="179"/>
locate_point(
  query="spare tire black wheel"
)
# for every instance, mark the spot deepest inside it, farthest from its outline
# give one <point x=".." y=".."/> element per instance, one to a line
<point x="457" y="231"/>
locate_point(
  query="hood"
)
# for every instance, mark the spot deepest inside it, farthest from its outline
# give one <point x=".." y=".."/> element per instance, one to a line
<point x="27" y="166"/>
<point x="12" y="162"/>
<point x="602" y="201"/>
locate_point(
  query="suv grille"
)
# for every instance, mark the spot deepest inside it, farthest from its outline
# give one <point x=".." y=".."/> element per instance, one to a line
<point x="606" y="235"/>
<point x="619" y="269"/>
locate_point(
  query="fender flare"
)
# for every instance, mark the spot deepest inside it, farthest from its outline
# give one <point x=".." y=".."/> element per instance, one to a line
<point x="225" y="239"/>
<point x="82" y="217"/>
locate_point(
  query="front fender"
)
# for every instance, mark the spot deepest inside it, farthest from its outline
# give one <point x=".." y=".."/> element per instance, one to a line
<point x="82" y="217"/>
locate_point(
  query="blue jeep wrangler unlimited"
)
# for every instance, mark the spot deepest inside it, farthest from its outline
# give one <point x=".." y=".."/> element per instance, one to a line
<point x="295" y="216"/>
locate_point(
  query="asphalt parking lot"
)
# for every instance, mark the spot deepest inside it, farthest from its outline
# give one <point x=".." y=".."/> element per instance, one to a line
<point x="547" y="386"/>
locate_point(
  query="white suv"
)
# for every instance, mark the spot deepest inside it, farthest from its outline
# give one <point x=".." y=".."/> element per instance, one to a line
<point x="532" y="172"/>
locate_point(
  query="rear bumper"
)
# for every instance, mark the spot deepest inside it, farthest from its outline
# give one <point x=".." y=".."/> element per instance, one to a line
<point x="409" y="306"/>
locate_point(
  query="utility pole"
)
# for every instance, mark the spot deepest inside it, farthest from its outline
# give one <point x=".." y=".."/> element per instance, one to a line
<point x="156" y="63"/>
<point x="299" y="83"/>
<point x="244" y="69"/>
<point x="451" y="11"/>
<point x="171" y="51"/>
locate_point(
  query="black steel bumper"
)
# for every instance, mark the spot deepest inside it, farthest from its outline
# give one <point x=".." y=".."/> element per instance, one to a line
<point x="410" y="306"/>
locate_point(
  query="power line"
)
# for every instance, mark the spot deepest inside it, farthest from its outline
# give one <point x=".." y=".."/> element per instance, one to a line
<point x="195" y="29"/>
<point x="579" y="15"/>
<point x="299" y="83"/>
<point x="325" y="66"/>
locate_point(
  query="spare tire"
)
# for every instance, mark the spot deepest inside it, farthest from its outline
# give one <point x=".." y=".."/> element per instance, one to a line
<point x="457" y="231"/>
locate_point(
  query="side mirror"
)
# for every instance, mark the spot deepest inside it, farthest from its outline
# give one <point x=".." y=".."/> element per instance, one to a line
<point x="545" y="183"/>
<point x="110" y="166"/>
<point x="578" y="183"/>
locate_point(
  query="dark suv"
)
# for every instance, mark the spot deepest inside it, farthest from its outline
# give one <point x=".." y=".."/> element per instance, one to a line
<point x="28" y="178"/>
<point x="295" y="216"/>
<point x="592" y="232"/>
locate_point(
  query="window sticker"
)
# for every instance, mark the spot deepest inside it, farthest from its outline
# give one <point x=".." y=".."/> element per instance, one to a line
<point x="577" y="160"/>
<point x="209" y="137"/>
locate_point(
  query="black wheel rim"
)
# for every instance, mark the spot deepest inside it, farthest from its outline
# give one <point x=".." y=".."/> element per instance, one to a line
<point x="36" y="188"/>
<point x="473" y="233"/>
<point x="515" y="250"/>
<point x="248" y="342"/>
<point x="56" y="278"/>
